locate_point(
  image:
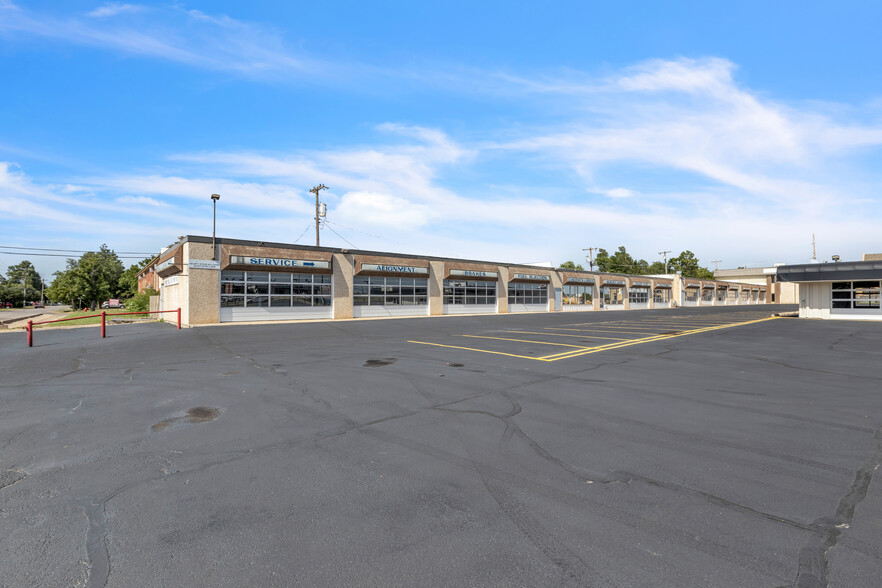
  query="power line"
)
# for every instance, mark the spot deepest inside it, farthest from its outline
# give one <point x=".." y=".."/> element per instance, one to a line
<point x="32" y="254"/>
<point x="72" y="250"/>
<point x="303" y="233"/>
<point x="341" y="236"/>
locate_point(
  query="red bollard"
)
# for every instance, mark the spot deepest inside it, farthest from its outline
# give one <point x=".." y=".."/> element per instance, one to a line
<point x="30" y="330"/>
<point x="103" y="326"/>
<point x="179" y="318"/>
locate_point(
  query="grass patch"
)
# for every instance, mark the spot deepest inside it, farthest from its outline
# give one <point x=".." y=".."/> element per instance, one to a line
<point x="93" y="320"/>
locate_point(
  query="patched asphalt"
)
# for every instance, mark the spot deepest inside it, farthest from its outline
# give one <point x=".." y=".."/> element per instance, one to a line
<point x="347" y="454"/>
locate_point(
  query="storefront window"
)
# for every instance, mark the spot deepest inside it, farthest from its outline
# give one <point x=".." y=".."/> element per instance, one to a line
<point x="612" y="295"/>
<point x="382" y="291"/>
<point x="721" y="294"/>
<point x="525" y="293"/>
<point x="745" y="295"/>
<point x="707" y="294"/>
<point x="859" y="295"/>
<point x="732" y="295"/>
<point x="638" y="295"/>
<point x="469" y="292"/>
<point x="277" y="289"/>
<point x="662" y="295"/>
<point x="578" y="294"/>
<point x="692" y="294"/>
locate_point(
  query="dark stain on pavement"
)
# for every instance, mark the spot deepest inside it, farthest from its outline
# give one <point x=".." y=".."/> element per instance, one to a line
<point x="454" y="364"/>
<point x="379" y="362"/>
<point x="199" y="414"/>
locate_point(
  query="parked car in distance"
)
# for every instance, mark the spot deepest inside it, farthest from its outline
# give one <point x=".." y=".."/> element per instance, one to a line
<point x="38" y="305"/>
<point x="113" y="303"/>
<point x="7" y="305"/>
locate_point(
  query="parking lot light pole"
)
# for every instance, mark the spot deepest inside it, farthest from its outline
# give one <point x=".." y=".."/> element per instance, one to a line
<point x="214" y="199"/>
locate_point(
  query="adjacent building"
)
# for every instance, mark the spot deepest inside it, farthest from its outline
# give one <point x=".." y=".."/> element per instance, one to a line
<point x="844" y="290"/>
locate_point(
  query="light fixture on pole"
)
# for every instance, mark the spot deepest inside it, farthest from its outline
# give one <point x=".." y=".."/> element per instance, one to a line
<point x="214" y="199"/>
<point x="318" y="212"/>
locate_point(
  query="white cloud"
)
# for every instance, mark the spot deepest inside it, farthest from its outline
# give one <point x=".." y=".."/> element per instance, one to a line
<point x="188" y="37"/>
<point x="114" y="8"/>
<point x="718" y="168"/>
<point x="616" y="192"/>
<point x="141" y="200"/>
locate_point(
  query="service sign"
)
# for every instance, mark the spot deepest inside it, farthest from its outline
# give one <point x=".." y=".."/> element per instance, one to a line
<point x="208" y="264"/>
<point x="530" y="277"/>
<point x="580" y="280"/>
<point x="165" y="264"/>
<point x="614" y="282"/>
<point x="171" y="281"/>
<point x="271" y="262"/>
<point x="640" y="283"/>
<point x="662" y="285"/>
<point x="473" y="274"/>
<point x="397" y="269"/>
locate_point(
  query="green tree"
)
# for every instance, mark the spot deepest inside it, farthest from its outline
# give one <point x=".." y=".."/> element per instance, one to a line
<point x="62" y="288"/>
<point x="688" y="264"/>
<point x="571" y="266"/>
<point x="656" y="267"/>
<point x="602" y="260"/>
<point x="92" y="278"/>
<point x="128" y="281"/>
<point x="17" y="277"/>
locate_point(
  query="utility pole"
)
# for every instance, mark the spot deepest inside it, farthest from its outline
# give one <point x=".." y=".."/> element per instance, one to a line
<point x="315" y="190"/>
<point x="715" y="262"/>
<point x="591" y="251"/>
<point x="665" y="255"/>
<point x="214" y="199"/>
<point x="24" y="300"/>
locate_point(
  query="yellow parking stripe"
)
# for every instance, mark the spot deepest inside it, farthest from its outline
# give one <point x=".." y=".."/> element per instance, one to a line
<point x="525" y="341"/>
<point x="601" y="331"/>
<point x="579" y="351"/>
<point x="560" y="356"/>
<point x="566" y="335"/>
<point x="473" y="349"/>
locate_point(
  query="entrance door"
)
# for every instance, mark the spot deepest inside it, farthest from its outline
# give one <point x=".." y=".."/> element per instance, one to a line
<point x="558" y="299"/>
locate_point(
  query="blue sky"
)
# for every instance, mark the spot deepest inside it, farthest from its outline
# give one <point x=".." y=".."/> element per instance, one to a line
<point x="505" y="131"/>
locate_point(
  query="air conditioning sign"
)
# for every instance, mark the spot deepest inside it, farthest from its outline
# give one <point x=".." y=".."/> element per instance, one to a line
<point x="530" y="277"/>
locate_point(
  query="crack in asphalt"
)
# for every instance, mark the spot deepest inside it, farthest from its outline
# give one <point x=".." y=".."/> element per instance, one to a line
<point x="826" y="531"/>
<point x="98" y="556"/>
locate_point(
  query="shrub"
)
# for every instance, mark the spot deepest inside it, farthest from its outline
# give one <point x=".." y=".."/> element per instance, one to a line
<point x="140" y="302"/>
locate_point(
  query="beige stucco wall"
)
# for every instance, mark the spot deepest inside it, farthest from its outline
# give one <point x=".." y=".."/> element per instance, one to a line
<point x="436" y="288"/>
<point x="203" y="286"/>
<point x="342" y="265"/>
<point x="502" y="291"/>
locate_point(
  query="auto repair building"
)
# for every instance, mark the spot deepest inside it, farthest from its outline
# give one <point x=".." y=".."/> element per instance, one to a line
<point x="245" y="281"/>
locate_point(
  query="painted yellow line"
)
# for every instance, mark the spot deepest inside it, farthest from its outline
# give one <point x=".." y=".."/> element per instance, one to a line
<point x="525" y="341"/>
<point x="649" y="340"/>
<point x="473" y="349"/>
<point x="601" y="331"/>
<point x="566" y="335"/>
<point x="588" y="350"/>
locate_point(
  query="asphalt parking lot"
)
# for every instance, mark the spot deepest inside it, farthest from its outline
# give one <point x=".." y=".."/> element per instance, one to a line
<point x="690" y="447"/>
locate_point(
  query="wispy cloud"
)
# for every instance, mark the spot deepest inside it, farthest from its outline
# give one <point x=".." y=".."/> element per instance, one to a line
<point x="114" y="8"/>
<point x="188" y="37"/>
<point x="667" y="154"/>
